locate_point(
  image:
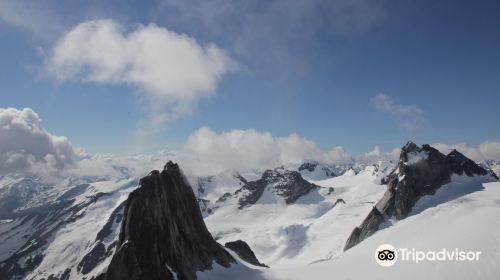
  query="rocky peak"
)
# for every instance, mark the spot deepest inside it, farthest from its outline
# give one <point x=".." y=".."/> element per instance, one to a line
<point x="412" y="154"/>
<point x="163" y="233"/>
<point x="281" y="176"/>
<point x="244" y="252"/>
<point x="408" y="148"/>
<point x="285" y="183"/>
<point x="420" y="171"/>
<point x="460" y="164"/>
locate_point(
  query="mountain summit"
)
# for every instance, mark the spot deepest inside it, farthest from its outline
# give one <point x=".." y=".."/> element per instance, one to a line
<point x="420" y="171"/>
<point x="163" y="235"/>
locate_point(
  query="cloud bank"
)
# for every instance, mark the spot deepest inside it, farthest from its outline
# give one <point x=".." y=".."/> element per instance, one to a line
<point x="171" y="71"/>
<point x="26" y="146"/>
<point x="488" y="150"/>
<point x="377" y="154"/>
<point x="250" y="149"/>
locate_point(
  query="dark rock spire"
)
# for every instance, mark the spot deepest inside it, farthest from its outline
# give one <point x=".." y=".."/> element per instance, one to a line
<point x="163" y="232"/>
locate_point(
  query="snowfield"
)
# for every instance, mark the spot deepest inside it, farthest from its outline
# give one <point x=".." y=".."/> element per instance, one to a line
<point x="467" y="222"/>
<point x="284" y="235"/>
<point x="305" y="240"/>
<point x="84" y="209"/>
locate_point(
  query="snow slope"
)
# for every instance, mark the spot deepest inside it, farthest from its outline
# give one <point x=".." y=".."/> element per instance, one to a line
<point x="66" y="229"/>
<point x="213" y="187"/>
<point x="284" y="235"/>
<point x="454" y="218"/>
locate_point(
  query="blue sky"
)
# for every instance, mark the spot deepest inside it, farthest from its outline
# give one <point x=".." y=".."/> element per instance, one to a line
<point x="309" y="67"/>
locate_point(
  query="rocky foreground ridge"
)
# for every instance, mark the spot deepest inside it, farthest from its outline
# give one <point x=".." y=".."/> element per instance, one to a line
<point x="163" y="235"/>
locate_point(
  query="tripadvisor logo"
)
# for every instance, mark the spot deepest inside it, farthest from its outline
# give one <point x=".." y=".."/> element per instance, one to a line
<point x="387" y="255"/>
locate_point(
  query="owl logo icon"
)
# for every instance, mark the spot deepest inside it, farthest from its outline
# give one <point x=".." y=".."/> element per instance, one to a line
<point x="386" y="255"/>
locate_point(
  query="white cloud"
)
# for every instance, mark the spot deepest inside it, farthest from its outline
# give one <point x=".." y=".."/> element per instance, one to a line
<point x="171" y="71"/>
<point x="378" y="155"/>
<point x="206" y="152"/>
<point x="26" y="146"/>
<point x="385" y="104"/>
<point x="408" y="117"/>
<point x="486" y="150"/>
<point x="249" y="149"/>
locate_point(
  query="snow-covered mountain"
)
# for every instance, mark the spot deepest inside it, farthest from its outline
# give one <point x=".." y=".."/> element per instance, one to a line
<point x="315" y="171"/>
<point x="163" y="235"/>
<point x="493" y="166"/>
<point x="420" y="172"/>
<point x="444" y="221"/>
<point x="296" y="219"/>
<point x="68" y="235"/>
<point x="283" y="234"/>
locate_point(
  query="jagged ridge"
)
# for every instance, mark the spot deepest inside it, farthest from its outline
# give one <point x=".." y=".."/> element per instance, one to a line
<point x="420" y="171"/>
<point x="288" y="184"/>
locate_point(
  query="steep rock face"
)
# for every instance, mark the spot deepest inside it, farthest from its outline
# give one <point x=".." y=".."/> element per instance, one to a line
<point x="420" y="171"/>
<point x="163" y="232"/>
<point x="460" y="165"/>
<point x="285" y="183"/>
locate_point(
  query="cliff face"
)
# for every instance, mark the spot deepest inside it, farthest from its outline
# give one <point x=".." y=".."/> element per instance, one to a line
<point x="163" y="232"/>
<point x="420" y="171"/>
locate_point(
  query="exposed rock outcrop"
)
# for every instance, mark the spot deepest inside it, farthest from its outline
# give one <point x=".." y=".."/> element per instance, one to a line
<point x="319" y="171"/>
<point x="420" y="171"/>
<point x="285" y="183"/>
<point x="339" y="200"/>
<point x="163" y="233"/>
<point x="309" y="166"/>
<point x="244" y="252"/>
<point x="460" y="165"/>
